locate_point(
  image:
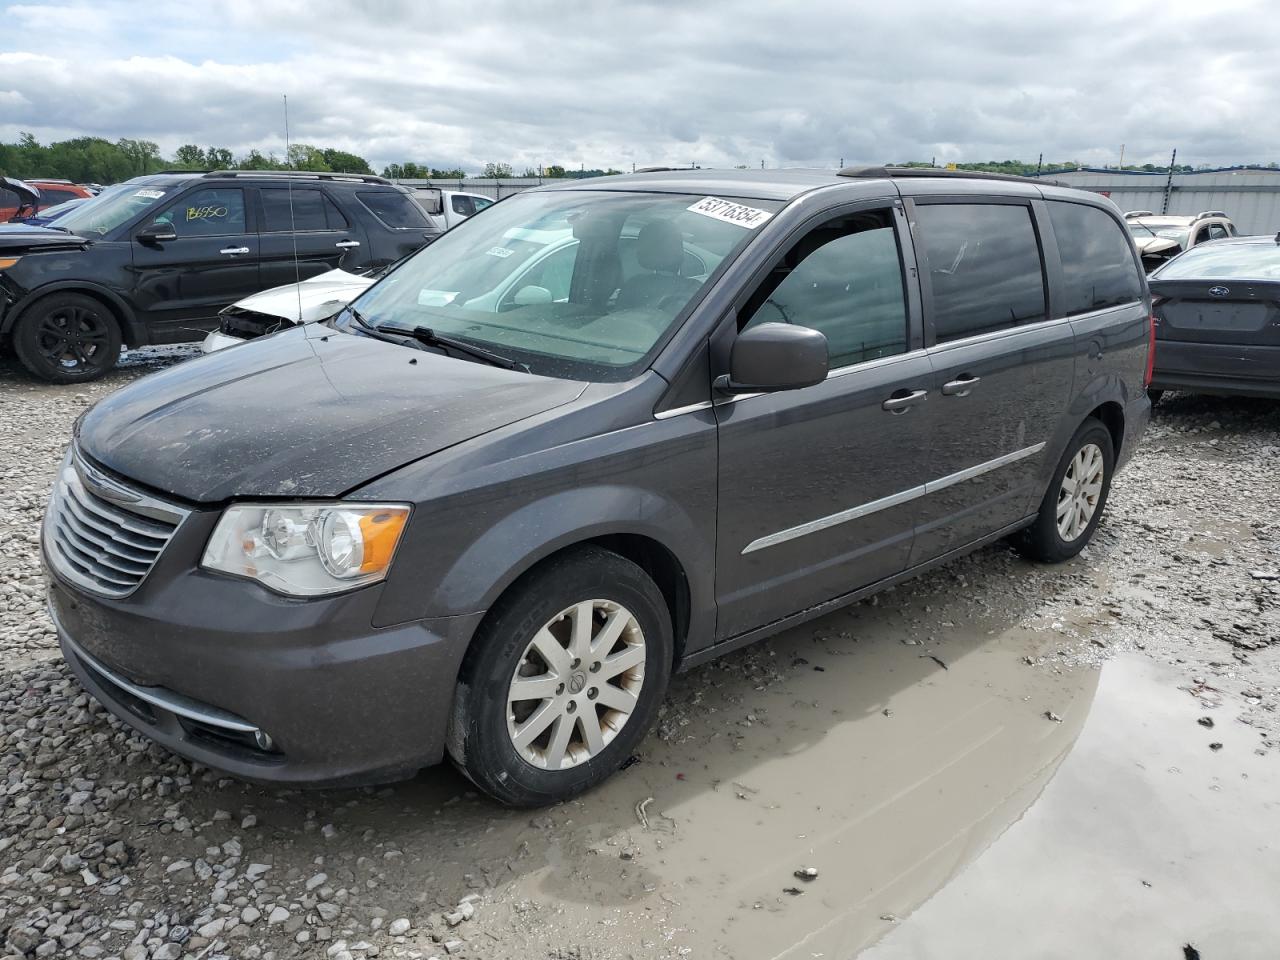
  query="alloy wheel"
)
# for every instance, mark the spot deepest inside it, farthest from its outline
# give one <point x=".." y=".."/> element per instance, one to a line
<point x="73" y="337"/>
<point x="1081" y="492"/>
<point x="576" y="684"/>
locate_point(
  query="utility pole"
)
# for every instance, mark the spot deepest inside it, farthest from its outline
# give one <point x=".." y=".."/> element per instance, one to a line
<point x="761" y="164"/>
<point x="1168" y="184"/>
<point x="841" y="167"/>
<point x="1121" y="156"/>
<point x="1040" y="164"/>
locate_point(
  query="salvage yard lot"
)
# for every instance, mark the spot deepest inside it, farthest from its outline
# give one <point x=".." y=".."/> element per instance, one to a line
<point x="886" y="745"/>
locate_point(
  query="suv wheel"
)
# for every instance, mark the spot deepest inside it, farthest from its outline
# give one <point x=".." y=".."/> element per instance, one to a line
<point x="1077" y="495"/>
<point x="564" y="679"/>
<point x="67" y="338"/>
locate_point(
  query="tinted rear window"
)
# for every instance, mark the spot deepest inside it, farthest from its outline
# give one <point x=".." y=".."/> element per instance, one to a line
<point x="1224" y="261"/>
<point x="49" y="196"/>
<point x="393" y="208"/>
<point x="1098" y="268"/>
<point x="984" y="267"/>
<point x="312" y="210"/>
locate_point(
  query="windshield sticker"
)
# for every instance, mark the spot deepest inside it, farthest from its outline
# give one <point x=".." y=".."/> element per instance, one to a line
<point x="149" y="194"/>
<point x="736" y="213"/>
<point x="500" y="252"/>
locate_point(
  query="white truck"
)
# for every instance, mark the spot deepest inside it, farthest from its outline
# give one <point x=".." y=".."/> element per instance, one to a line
<point x="448" y="208"/>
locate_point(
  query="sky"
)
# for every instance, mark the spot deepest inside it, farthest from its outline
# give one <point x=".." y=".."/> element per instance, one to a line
<point x="608" y="84"/>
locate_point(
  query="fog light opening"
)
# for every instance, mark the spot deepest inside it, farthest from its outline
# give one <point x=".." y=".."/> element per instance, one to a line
<point x="264" y="741"/>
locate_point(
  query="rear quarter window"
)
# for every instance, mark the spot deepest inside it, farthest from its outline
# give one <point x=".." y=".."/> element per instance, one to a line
<point x="1098" y="268"/>
<point x="394" y="209"/>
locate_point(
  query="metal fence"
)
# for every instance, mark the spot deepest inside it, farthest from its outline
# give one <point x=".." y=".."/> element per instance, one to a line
<point x="1250" y="197"/>
<point x="494" y="189"/>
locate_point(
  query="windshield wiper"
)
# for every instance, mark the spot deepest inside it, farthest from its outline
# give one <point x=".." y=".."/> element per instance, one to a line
<point x="429" y="338"/>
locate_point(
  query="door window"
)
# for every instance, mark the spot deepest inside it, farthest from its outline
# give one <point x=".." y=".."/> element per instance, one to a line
<point x="1097" y="265"/>
<point x="845" y="280"/>
<point x="984" y="267"/>
<point x="1217" y="231"/>
<point x="393" y="208"/>
<point x="311" y="210"/>
<point x="214" y="212"/>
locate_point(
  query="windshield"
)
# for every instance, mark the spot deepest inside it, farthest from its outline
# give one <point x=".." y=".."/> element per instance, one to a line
<point x="109" y="209"/>
<point x="577" y="284"/>
<point x="1166" y="231"/>
<point x="1224" y="261"/>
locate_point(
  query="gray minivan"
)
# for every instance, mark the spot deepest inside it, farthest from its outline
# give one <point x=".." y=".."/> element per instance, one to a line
<point x="595" y="434"/>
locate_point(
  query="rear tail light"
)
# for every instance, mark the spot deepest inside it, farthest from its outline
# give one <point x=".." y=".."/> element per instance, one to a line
<point x="1151" y="352"/>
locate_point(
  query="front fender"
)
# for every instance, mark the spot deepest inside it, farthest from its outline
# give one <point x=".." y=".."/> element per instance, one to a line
<point x="134" y="333"/>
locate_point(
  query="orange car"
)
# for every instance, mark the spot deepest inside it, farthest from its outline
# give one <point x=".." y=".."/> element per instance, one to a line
<point x="18" y="199"/>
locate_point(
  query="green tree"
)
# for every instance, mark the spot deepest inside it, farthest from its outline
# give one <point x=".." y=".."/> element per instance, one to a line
<point x="554" y="171"/>
<point x="143" y="155"/>
<point x="219" y="158"/>
<point x="189" y="156"/>
<point x="303" y="156"/>
<point x="455" y="174"/>
<point x="344" y="162"/>
<point x="254" y="160"/>
<point x="497" y="171"/>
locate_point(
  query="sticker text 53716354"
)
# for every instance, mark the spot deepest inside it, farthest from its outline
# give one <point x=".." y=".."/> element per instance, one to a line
<point x="730" y="212"/>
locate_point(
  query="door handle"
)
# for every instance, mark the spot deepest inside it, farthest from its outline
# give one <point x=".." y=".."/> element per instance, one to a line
<point x="961" y="386"/>
<point x="901" y="402"/>
<point x="234" y="251"/>
<point x="347" y="243"/>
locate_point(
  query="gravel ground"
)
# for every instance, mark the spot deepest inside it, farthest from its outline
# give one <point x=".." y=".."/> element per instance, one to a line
<point x="112" y="848"/>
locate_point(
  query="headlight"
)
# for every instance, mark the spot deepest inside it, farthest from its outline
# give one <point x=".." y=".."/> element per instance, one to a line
<point x="307" y="549"/>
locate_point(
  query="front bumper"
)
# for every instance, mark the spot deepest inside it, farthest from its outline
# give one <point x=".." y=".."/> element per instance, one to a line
<point x="217" y="340"/>
<point x="204" y="665"/>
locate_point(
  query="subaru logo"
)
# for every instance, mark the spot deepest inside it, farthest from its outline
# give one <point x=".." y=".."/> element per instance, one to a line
<point x="1218" y="291"/>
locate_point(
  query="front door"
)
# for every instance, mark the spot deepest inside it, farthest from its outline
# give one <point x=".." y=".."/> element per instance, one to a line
<point x="304" y="234"/>
<point x="183" y="283"/>
<point x="816" y="485"/>
<point x="1002" y="370"/>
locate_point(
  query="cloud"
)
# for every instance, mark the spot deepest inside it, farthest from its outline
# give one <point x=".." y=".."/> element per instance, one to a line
<point x="659" y="82"/>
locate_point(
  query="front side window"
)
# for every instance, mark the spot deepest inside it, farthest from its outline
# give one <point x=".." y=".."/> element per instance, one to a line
<point x="1097" y="265"/>
<point x="984" y="267"/>
<point x="213" y="212"/>
<point x="540" y="277"/>
<point x="845" y="280"/>
<point x="393" y="208"/>
<point x="1217" y="231"/>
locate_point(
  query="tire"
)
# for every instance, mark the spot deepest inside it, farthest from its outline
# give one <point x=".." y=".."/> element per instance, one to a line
<point x="67" y="338"/>
<point x="1154" y="395"/>
<point x="1052" y="539"/>
<point x="565" y="692"/>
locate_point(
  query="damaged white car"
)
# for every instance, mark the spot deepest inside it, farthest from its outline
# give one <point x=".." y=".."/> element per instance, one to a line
<point x="1161" y="237"/>
<point x="310" y="301"/>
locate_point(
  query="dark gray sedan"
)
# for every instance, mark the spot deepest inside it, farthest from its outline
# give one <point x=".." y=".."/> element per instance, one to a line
<point x="1217" y="310"/>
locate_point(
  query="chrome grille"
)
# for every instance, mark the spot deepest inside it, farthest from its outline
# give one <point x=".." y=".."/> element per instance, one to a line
<point x="102" y="535"/>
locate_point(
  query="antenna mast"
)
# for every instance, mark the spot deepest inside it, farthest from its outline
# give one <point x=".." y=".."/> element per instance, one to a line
<point x="293" y="223"/>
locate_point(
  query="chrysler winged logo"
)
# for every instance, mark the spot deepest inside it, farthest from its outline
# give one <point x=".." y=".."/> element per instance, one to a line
<point x="104" y="486"/>
<point x="1218" y="291"/>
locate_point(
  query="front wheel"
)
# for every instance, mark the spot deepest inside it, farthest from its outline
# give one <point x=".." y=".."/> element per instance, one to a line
<point x="1077" y="495"/>
<point x="564" y="679"/>
<point x="67" y="338"/>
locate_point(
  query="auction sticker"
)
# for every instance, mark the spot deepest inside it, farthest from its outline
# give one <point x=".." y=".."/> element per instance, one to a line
<point x="149" y="194"/>
<point x="730" y="212"/>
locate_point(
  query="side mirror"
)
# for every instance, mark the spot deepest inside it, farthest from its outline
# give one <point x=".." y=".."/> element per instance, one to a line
<point x="530" y="295"/>
<point x="156" y="233"/>
<point x="775" y="356"/>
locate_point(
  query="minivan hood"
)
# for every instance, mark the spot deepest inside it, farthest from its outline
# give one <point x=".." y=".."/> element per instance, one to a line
<point x="318" y="298"/>
<point x="305" y="413"/>
<point x="21" y="238"/>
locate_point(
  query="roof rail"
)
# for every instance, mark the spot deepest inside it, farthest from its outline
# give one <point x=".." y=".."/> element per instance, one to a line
<point x="1210" y="213"/>
<point x="886" y="172"/>
<point x="298" y="174"/>
<point x="52" y="180"/>
<point x="1130" y="214"/>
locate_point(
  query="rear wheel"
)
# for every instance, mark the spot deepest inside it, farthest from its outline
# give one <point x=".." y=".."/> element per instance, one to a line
<point x="564" y="679"/>
<point x="1077" y="495"/>
<point x="67" y="338"/>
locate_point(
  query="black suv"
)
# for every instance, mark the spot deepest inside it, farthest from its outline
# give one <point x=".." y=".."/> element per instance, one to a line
<point x="599" y="433"/>
<point x="155" y="260"/>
